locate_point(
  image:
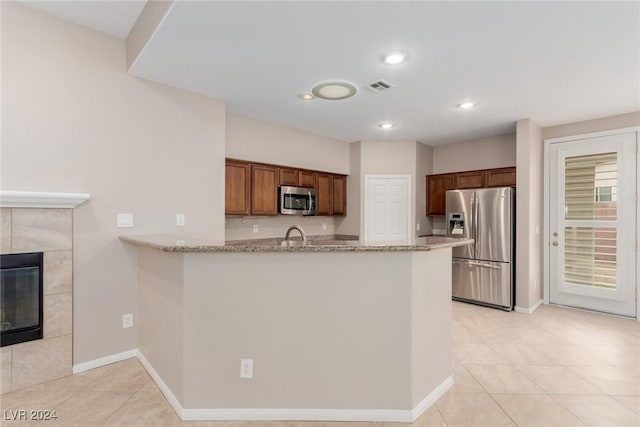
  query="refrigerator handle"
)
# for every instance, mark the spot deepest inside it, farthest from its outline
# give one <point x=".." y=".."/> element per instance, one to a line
<point x="475" y="225"/>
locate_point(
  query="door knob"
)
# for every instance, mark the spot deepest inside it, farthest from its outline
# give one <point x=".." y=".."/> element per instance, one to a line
<point x="555" y="243"/>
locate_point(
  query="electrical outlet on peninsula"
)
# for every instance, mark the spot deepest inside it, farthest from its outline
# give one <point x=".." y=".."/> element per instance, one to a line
<point x="246" y="368"/>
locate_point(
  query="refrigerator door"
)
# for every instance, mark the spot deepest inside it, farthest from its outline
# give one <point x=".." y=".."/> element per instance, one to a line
<point x="494" y="222"/>
<point x="482" y="281"/>
<point x="461" y="202"/>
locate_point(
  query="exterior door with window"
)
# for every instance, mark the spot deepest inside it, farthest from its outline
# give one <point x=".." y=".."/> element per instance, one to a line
<point x="592" y="257"/>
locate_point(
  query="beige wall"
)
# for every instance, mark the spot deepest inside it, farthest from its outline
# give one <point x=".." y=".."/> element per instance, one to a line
<point x="74" y="121"/>
<point x="486" y="153"/>
<point x="529" y="204"/>
<point x="260" y="141"/>
<point x="350" y="224"/>
<point x="424" y="167"/>
<point x="597" y="125"/>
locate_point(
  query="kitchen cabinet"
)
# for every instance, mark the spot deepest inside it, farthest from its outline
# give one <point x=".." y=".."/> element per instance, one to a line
<point x="339" y="185"/>
<point x="471" y="179"/>
<point x="503" y="177"/>
<point x="437" y="187"/>
<point x="236" y="188"/>
<point x="324" y="191"/>
<point x="264" y="190"/>
<point x="288" y="176"/>
<point x="307" y="179"/>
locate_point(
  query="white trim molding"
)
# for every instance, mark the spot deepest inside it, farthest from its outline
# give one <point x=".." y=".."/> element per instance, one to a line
<point x="37" y="199"/>
<point x="260" y="414"/>
<point x="529" y="310"/>
<point x="107" y="360"/>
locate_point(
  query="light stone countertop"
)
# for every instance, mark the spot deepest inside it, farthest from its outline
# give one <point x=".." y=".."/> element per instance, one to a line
<point x="170" y="243"/>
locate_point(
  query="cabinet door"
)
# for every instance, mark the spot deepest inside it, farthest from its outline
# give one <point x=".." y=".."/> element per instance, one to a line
<point x="236" y="188"/>
<point x="437" y="187"/>
<point x="307" y="179"/>
<point x="503" y="177"/>
<point x="288" y="176"/>
<point x="264" y="190"/>
<point x="471" y="179"/>
<point x="339" y="194"/>
<point x="324" y="189"/>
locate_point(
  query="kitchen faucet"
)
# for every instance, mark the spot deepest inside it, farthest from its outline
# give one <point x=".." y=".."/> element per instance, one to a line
<point x="300" y="230"/>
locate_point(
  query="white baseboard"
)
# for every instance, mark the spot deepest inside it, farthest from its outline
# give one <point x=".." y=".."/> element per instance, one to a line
<point x="107" y="360"/>
<point x="529" y="310"/>
<point x="371" y="415"/>
<point x="257" y="414"/>
<point x="164" y="388"/>
<point x="431" y="398"/>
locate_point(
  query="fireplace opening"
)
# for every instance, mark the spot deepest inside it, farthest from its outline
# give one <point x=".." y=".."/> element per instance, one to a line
<point x="20" y="298"/>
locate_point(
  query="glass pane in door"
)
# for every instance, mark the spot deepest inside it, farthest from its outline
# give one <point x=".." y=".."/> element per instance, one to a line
<point x="591" y="187"/>
<point x="590" y="256"/>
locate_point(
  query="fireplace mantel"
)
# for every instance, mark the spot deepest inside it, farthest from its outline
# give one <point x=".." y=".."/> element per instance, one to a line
<point x="36" y="199"/>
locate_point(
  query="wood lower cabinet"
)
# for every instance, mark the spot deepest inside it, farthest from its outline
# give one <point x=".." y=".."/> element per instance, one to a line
<point x="339" y="184"/>
<point x="324" y="191"/>
<point x="503" y="177"/>
<point x="437" y="187"/>
<point x="288" y="176"/>
<point x="264" y="190"/>
<point x="307" y="179"/>
<point x="472" y="179"/>
<point x="236" y="188"/>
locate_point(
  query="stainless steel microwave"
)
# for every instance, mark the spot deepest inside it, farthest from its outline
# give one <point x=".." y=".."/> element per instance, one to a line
<point x="297" y="201"/>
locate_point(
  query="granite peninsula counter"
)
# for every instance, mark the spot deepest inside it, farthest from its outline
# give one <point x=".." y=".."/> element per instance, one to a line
<point x="337" y="330"/>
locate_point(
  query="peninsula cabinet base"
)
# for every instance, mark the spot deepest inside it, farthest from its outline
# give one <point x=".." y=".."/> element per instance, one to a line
<point x="355" y="337"/>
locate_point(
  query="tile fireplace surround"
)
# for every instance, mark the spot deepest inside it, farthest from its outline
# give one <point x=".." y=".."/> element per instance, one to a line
<point x="41" y="222"/>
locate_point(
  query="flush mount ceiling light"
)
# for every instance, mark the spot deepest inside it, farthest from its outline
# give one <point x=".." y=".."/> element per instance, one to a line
<point x="334" y="90"/>
<point x="386" y="125"/>
<point x="466" y="105"/>
<point x="395" y="58"/>
<point x="307" y="96"/>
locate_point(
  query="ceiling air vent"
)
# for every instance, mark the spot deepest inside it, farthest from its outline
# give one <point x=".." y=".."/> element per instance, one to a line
<point x="380" y="85"/>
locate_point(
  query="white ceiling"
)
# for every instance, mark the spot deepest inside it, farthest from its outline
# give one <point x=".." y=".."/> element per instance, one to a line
<point x="554" y="62"/>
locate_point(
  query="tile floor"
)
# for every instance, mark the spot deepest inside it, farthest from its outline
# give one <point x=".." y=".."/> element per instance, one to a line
<point x="557" y="367"/>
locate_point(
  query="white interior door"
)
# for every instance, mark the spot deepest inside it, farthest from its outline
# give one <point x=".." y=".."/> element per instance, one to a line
<point x="387" y="210"/>
<point x="592" y="226"/>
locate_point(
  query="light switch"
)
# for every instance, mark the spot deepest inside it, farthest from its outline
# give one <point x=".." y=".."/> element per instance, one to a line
<point x="180" y="220"/>
<point x="124" y="220"/>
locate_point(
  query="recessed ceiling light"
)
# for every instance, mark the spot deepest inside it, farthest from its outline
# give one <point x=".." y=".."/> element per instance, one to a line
<point x="395" y="58"/>
<point x="334" y="90"/>
<point x="387" y="125"/>
<point x="466" y="105"/>
<point x="307" y="96"/>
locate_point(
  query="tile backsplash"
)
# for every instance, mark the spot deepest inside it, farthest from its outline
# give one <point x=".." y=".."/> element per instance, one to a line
<point x="276" y="226"/>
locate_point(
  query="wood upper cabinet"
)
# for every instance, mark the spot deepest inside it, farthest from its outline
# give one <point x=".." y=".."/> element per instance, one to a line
<point x="288" y="176"/>
<point x="264" y="190"/>
<point x="339" y="183"/>
<point x="307" y="179"/>
<point x="236" y="188"/>
<point x="324" y="190"/>
<point x="472" y="179"/>
<point x="503" y="177"/>
<point x="437" y="187"/>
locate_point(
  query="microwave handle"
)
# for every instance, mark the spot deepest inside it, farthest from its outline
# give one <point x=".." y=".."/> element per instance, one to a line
<point x="310" y="203"/>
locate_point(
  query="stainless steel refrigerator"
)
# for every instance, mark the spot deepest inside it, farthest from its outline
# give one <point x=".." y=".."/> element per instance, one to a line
<point x="483" y="272"/>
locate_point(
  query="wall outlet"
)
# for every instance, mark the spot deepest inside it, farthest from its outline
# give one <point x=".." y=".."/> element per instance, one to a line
<point x="180" y="220"/>
<point x="246" y="368"/>
<point x="256" y="229"/>
<point x="124" y="220"/>
<point x="418" y="226"/>
<point x="127" y="320"/>
<point x="324" y="226"/>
